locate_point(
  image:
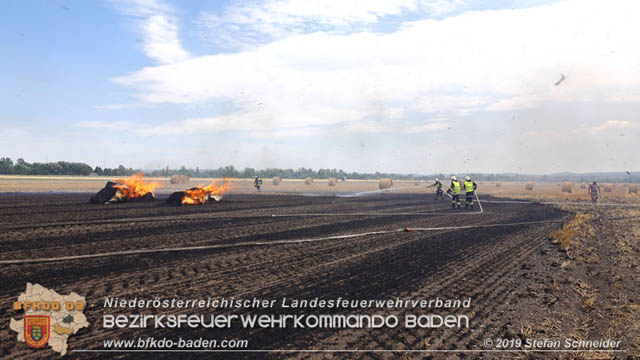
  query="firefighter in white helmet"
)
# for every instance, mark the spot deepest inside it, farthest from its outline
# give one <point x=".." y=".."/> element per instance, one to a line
<point x="454" y="190"/>
<point x="470" y="187"/>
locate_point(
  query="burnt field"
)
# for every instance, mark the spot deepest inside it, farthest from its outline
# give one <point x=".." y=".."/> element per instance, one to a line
<point x="500" y="268"/>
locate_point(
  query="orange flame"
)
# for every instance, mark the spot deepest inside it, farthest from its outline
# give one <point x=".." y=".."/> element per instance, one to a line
<point x="201" y="194"/>
<point x="134" y="187"/>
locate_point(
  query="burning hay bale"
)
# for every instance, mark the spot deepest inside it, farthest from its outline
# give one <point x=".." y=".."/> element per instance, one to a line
<point x="567" y="186"/>
<point x="608" y="188"/>
<point x="385" y="184"/>
<point x="176" y="197"/>
<point x="333" y="182"/>
<point x="179" y="179"/>
<point x="277" y="180"/>
<point x="308" y="181"/>
<point x="104" y="195"/>
<point x="200" y="194"/>
<point x="529" y="185"/>
<point x="130" y="189"/>
<point x="633" y="188"/>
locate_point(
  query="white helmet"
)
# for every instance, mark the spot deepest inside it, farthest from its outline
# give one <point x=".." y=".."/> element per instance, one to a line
<point x="468" y="178"/>
<point x="453" y="178"/>
<point x="437" y="179"/>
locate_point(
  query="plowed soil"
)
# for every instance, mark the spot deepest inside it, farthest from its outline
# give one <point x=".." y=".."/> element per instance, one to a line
<point x="498" y="267"/>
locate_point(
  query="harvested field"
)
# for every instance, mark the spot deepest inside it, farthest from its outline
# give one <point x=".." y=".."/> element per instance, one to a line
<point x="480" y="263"/>
<point x="179" y="179"/>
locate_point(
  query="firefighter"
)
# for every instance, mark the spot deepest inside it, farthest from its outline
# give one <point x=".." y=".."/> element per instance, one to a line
<point x="257" y="182"/>
<point x="439" y="192"/>
<point x="594" y="191"/>
<point x="454" y="190"/>
<point x="469" y="187"/>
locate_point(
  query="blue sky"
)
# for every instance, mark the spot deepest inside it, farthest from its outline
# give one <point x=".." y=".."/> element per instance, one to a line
<point x="400" y="86"/>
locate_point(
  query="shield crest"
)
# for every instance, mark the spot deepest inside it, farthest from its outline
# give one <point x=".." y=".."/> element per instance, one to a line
<point x="36" y="330"/>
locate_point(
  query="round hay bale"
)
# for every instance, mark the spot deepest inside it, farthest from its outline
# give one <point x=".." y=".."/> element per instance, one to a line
<point x="608" y="188"/>
<point x="277" y="180"/>
<point x="179" y="179"/>
<point x="333" y="182"/>
<point x="385" y="184"/>
<point x="529" y="185"/>
<point x="104" y="195"/>
<point x="633" y="188"/>
<point x="567" y="186"/>
<point x="583" y="186"/>
<point x="308" y="181"/>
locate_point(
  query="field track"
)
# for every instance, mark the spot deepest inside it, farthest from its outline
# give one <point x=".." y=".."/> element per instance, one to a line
<point x="481" y="263"/>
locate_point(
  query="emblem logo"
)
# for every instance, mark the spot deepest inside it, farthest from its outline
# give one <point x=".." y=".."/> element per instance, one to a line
<point x="36" y="330"/>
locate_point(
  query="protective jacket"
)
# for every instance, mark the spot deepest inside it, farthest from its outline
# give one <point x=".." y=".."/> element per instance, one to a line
<point x="470" y="186"/>
<point x="455" y="186"/>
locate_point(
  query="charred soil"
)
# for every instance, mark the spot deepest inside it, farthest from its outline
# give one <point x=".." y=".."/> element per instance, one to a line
<point x="506" y="271"/>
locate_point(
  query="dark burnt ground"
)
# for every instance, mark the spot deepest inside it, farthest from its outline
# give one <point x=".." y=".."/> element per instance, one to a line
<point x="499" y="268"/>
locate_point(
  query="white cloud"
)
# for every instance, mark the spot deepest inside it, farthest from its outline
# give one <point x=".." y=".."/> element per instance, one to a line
<point x="386" y="83"/>
<point x="427" y="127"/>
<point x="304" y="132"/>
<point x="253" y="22"/>
<point x="159" y="27"/>
<point x="119" y="106"/>
<point x="254" y="126"/>
<point x="612" y="124"/>
<point x="110" y="125"/>
<point x="598" y="131"/>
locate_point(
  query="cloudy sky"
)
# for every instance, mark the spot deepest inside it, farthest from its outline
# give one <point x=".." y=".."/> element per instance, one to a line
<point x="404" y="86"/>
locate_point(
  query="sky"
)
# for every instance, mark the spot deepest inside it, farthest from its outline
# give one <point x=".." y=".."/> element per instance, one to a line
<point x="404" y="86"/>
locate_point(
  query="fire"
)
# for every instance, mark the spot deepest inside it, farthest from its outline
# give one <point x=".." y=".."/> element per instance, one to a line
<point x="201" y="194"/>
<point x="134" y="187"/>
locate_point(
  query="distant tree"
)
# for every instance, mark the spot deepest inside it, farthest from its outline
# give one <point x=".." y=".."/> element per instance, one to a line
<point x="6" y="165"/>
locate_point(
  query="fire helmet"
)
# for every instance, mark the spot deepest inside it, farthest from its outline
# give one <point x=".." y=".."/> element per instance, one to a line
<point x="468" y="178"/>
<point x="453" y="178"/>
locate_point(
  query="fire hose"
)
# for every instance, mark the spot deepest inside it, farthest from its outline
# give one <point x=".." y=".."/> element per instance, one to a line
<point x="309" y="240"/>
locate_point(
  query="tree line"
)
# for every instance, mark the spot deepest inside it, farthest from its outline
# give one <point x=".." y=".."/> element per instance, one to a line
<point x="300" y="173"/>
<point x="21" y="167"/>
